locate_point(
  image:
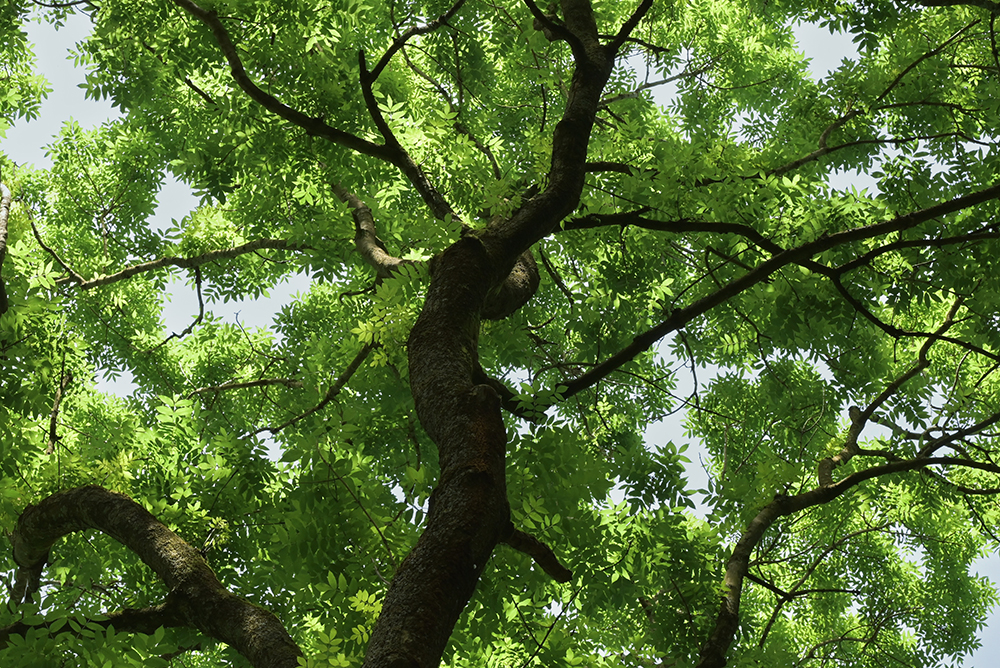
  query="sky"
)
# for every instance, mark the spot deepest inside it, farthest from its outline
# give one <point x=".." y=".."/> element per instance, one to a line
<point x="25" y="144"/>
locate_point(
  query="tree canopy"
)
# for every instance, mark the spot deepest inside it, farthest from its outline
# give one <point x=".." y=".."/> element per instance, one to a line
<point x="516" y="257"/>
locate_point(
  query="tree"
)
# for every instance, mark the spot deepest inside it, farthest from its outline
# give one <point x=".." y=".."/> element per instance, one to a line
<point x="515" y="253"/>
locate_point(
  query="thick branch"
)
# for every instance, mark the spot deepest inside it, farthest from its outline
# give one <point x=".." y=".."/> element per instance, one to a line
<point x="313" y="126"/>
<point x="195" y="594"/>
<point x="514" y="291"/>
<point x="992" y="7"/>
<point x="365" y="238"/>
<point x="541" y="554"/>
<point x="629" y="25"/>
<point x="128" y="620"/>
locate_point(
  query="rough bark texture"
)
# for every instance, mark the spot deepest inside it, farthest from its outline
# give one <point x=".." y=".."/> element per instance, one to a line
<point x="196" y="597"/>
<point x="469" y="511"/>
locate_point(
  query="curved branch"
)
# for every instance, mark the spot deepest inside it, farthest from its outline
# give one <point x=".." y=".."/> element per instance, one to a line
<point x="313" y="126"/>
<point x="400" y="41"/>
<point x="196" y="597"/>
<point x="508" y="399"/>
<point x="713" y="652"/>
<point x="683" y="225"/>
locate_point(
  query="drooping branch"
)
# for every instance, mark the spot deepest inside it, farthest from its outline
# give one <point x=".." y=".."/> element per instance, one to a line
<point x="541" y="554"/>
<point x="680" y="317"/>
<point x="54" y="415"/>
<point x="894" y="331"/>
<point x="196" y="598"/>
<point x="191" y="325"/>
<point x="681" y="226"/>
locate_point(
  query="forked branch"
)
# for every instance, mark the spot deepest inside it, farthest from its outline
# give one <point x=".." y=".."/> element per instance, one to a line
<point x="317" y="127"/>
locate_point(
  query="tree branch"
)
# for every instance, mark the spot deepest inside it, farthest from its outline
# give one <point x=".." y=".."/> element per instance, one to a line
<point x="54" y="415"/>
<point x="713" y="653"/>
<point x="400" y="41"/>
<point x="331" y="392"/>
<point x="514" y="291"/>
<point x="391" y="153"/>
<point x="541" y="554"/>
<point x="312" y="126"/>
<point x="170" y="261"/>
<point x="238" y="385"/>
<point x="629" y="25"/>
<point x="5" y="198"/>
<point x="992" y="7"/>
<point x="763" y="271"/>
<point x="365" y="238"/>
<point x="196" y="597"/>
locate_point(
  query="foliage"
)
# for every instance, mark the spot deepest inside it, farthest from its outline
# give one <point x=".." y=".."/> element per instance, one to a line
<point x="844" y="345"/>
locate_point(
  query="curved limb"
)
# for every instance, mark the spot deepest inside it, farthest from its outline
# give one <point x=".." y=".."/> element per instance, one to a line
<point x="196" y="597"/>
